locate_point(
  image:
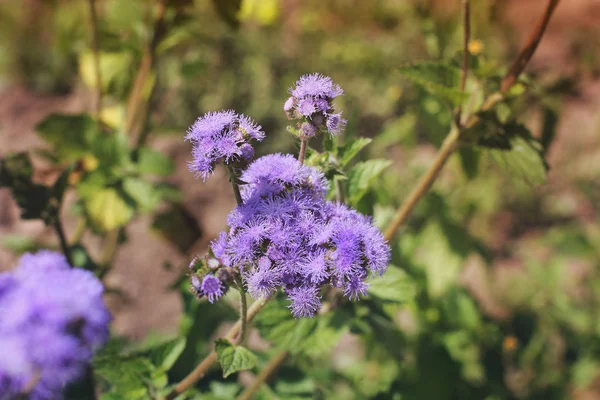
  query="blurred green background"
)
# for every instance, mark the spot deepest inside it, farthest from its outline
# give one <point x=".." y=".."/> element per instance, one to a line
<point x="503" y="261"/>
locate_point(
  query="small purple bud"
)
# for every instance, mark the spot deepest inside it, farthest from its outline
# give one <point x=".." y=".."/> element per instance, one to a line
<point x="212" y="287"/>
<point x="247" y="152"/>
<point x="192" y="266"/>
<point x="308" y="130"/>
<point x="335" y="123"/>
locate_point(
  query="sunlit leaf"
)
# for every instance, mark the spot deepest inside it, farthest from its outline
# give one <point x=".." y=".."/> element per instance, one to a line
<point x="233" y="358"/>
<point x="362" y="175"/>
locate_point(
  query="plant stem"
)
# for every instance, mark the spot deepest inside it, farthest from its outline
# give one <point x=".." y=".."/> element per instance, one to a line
<point x="209" y="360"/>
<point x="465" y="61"/>
<point x="450" y="144"/>
<point x="271" y="367"/>
<point x="96" y="50"/>
<point x="108" y="252"/>
<point x="135" y="101"/>
<point x="243" y="316"/>
<point x="63" y="240"/>
<point x="453" y="139"/>
<point x="527" y="51"/>
<point x="302" y="153"/>
<point x="236" y="189"/>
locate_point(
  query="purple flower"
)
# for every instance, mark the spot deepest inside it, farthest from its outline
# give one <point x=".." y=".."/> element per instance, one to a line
<point x="52" y="319"/>
<point x="308" y="129"/>
<point x="305" y="301"/>
<point x="316" y="85"/>
<point x="221" y="137"/>
<point x="212" y="288"/>
<point x="311" y="101"/>
<point x="285" y="235"/>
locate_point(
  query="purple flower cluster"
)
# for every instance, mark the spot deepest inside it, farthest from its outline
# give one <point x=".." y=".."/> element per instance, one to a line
<point x="221" y="137"/>
<point x="286" y="235"/>
<point x="311" y="102"/>
<point x="52" y="319"/>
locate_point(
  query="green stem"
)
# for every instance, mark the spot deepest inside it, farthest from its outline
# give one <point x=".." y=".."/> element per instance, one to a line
<point x="302" y="154"/>
<point x="243" y="316"/>
<point x="236" y="189"/>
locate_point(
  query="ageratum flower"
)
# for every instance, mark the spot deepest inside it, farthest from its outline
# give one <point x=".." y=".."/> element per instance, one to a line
<point x="52" y="319"/>
<point x="221" y="137"/>
<point x="311" y="101"/>
<point x="286" y="235"/>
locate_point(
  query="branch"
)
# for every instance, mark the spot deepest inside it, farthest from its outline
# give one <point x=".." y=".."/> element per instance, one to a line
<point x="96" y="50"/>
<point x="63" y="240"/>
<point x="135" y="101"/>
<point x="201" y="369"/>
<point x="264" y="375"/>
<point x="465" y="60"/>
<point x="453" y="139"/>
<point x="529" y="48"/>
<point x="450" y="144"/>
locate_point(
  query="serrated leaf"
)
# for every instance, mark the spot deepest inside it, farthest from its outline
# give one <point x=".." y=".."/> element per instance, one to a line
<point x="107" y="209"/>
<point x="441" y="80"/>
<point x="524" y="161"/>
<point x="233" y="358"/>
<point x="395" y="285"/>
<point x="349" y="151"/>
<point x="153" y="162"/>
<point x="362" y="175"/>
<point x="71" y="135"/>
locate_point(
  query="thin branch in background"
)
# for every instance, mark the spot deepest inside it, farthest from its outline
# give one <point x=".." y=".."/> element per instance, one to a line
<point x="527" y="51"/>
<point x="466" y="7"/>
<point x="135" y="102"/>
<point x="453" y="140"/>
<point x="96" y="50"/>
<point x="448" y="147"/>
<point x="63" y="240"/>
<point x="197" y="374"/>
<point x="264" y="375"/>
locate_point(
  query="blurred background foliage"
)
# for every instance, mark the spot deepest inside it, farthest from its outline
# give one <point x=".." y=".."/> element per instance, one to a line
<point x="494" y="291"/>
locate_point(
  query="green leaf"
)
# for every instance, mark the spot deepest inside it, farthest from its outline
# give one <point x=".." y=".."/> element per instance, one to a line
<point x="349" y="151"/>
<point x="441" y="80"/>
<point x="124" y="377"/>
<point x="394" y="286"/>
<point x="71" y="135"/>
<point x="233" y="358"/>
<point x="524" y="161"/>
<point x="165" y="354"/>
<point x="107" y="209"/>
<point x="112" y="150"/>
<point x="153" y="162"/>
<point x="34" y="199"/>
<point x="142" y="192"/>
<point x="362" y="175"/>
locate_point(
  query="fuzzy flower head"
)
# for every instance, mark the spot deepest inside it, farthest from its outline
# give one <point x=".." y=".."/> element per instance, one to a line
<point x="311" y="102"/>
<point x="222" y="137"/>
<point x="52" y="320"/>
<point x="287" y="236"/>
